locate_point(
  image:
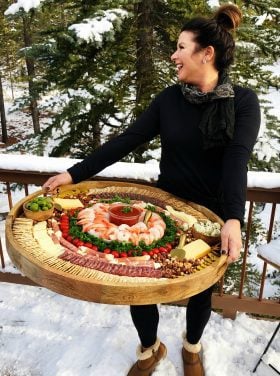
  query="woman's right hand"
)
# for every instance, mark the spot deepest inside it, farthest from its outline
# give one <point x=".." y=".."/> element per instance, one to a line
<point x="55" y="181"/>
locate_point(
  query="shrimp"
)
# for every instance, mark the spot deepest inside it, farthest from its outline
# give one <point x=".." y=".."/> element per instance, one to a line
<point x="158" y="222"/>
<point x="156" y="232"/>
<point x="123" y="236"/>
<point x="134" y="238"/>
<point x="95" y="220"/>
<point x="86" y="214"/>
<point x="101" y="208"/>
<point x="138" y="228"/>
<point x="145" y="237"/>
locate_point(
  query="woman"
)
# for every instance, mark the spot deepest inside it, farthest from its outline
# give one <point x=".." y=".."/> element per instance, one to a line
<point x="208" y="128"/>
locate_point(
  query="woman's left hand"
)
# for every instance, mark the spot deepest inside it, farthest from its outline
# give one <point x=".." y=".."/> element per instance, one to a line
<point x="231" y="239"/>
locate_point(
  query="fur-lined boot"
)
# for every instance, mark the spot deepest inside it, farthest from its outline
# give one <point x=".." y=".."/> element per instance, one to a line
<point x="148" y="359"/>
<point x="191" y="359"/>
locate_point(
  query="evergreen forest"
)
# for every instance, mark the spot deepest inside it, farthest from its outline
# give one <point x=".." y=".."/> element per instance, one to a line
<point x="92" y="67"/>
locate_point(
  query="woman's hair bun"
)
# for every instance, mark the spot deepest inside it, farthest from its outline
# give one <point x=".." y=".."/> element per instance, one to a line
<point x="228" y="16"/>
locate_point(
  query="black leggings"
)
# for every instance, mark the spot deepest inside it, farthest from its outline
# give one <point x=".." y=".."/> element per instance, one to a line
<point x="146" y="318"/>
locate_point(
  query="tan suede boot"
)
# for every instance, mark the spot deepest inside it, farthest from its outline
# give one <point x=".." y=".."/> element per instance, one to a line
<point x="148" y="359"/>
<point x="191" y="359"/>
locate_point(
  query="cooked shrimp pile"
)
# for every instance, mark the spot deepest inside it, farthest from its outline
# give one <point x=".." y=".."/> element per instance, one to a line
<point x="95" y="221"/>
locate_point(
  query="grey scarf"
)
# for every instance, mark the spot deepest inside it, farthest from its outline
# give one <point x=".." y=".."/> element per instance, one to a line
<point x="217" y="121"/>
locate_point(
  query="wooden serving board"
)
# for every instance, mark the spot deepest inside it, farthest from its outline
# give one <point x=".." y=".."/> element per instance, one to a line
<point x="87" y="284"/>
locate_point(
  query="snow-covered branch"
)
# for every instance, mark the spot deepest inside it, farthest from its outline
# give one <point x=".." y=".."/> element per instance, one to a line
<point x="101" y="27"/>
<point x="23" y="5"/>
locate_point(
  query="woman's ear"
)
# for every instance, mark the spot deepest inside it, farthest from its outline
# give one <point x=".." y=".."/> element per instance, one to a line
<point x="209" y="54"/>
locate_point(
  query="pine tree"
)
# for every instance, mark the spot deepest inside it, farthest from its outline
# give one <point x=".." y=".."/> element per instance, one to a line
<point x="8" y="63"/>
<point x="2" y="114"/>
<point x="27" y="19"/>
<point x="258" y="47"/>
<point x="108" y="82"/>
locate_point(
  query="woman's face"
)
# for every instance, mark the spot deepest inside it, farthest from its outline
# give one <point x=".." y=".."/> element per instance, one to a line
<point x="188" y="58"/>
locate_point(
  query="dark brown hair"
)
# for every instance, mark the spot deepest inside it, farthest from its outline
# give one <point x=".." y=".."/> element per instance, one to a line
<point x="216" y="32"/>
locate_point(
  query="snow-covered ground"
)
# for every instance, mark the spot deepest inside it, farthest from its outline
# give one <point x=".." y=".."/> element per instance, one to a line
<point x="46" y="334"/>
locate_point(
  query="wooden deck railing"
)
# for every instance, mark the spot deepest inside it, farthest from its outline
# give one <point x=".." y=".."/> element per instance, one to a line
<point x="229" y="304"/>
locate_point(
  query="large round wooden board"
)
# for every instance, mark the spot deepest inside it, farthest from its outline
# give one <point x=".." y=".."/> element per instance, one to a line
<point x="103" y="287"/>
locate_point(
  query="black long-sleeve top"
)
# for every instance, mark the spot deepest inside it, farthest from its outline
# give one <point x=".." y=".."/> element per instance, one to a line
<point x="215" y="178"/>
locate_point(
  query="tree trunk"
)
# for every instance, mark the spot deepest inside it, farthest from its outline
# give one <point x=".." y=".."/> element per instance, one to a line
<point x="2" y="113"/>
<point x="144" y="62"/>
<point x="31" y="74"/>
<point x="144" y="54"/>
<point x="10" y="75"/>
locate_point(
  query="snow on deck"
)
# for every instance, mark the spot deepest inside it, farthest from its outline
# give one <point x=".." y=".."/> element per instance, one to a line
<point x="147" y="172"/>
<point x="271" y="251"/>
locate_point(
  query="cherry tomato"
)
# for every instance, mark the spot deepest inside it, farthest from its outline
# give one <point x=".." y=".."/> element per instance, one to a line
<point x="69" y="238"/>
<point x="163" y="250"/>
<point x="87" y="244"/>
<point x="80" y="243"/>
<point x="65" y="234"/>
<point x="168" y="246"/>
<point x="94" y="247"/>
<point x="64" y="222"/>
<point x="107" y="250"/>
<point x="115" y="254"/>
<point x="64" y="228"/>
<point x="151" y="253"/>
<point x="155" y="250"/>
<point x="76" y="241"/>
<point x="64" y="217"/>
<point x="144" y="253"/>
<point x="130" y="253"/>
<point x="123" y="254"/>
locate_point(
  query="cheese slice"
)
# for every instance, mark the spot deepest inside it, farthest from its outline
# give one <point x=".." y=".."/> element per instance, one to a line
<point x="45" y="241"/>
<point x="68" y="203"/>
<point x="196" y="249"/>
<point x="187" y="218"/>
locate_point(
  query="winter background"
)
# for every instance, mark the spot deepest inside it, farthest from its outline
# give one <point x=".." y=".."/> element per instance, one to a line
<point x="43" y="333"/>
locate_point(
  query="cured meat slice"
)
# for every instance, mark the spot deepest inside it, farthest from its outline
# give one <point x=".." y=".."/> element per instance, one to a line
<point x="104" y="265"/>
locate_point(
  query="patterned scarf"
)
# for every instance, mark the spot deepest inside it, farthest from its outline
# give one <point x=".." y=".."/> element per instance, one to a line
<point x="217" y="122"/>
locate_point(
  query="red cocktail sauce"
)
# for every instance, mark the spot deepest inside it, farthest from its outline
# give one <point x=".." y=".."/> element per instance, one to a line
<point x="119" y="214"/>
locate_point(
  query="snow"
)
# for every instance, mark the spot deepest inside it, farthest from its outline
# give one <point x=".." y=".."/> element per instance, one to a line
<point x="147" y="172"/>
<point x="92" y="30"/>
<point x="46" y="334"/>
<point x="273" y="95"/>
<point x="271" y="251"/>
<point x="25" y="5"/>
<point x="262" y="179"/>
<point x="213" y="3"/>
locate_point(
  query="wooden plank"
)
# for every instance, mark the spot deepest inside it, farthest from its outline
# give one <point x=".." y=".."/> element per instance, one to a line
<point x="38" y="178"/>
<point x="16" y="278"/>
<point x="277" y="266"/>
<point x="271" y="195"/>
<point x="231" y="303"/>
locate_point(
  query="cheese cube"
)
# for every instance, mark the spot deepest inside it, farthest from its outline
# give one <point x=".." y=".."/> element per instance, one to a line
<point x="68" y="203"/>
<point x="196" y="249"/>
